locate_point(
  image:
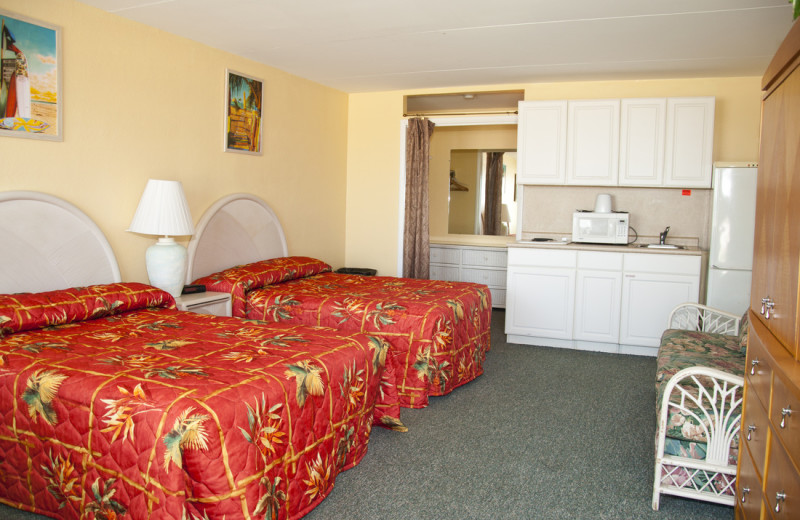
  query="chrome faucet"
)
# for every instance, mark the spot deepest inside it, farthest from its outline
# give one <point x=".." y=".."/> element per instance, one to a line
<point x="662" y="237"/>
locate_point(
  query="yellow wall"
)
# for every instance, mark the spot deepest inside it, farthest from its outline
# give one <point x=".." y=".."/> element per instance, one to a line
<point x="139" y="103"/>
<point x="374" y="145"/>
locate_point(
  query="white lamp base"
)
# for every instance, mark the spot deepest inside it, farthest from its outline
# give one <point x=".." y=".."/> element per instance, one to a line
<point x="166" y="265"/>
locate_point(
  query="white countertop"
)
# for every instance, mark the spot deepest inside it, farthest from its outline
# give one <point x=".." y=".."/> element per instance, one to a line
<point x="510" y="241"/>
<point x="633" y="248"/>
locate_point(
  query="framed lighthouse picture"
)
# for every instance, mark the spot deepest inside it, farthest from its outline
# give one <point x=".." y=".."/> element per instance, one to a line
<point x="30" y="83"/>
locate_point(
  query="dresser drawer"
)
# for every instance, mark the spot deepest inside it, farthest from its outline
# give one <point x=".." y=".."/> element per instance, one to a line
<point x="758" y="367"/>
<point x="485" y="257"/>
<point x="445" y="255"/>
<point x="782" y="489"/>
<point x="785" y="417"/>
<point x="444" y="272"/>
<point x="490" y="277"/>
<point x="748" y="488"/>
<point x="498" y="297"/>
<point x="755" y="429"/>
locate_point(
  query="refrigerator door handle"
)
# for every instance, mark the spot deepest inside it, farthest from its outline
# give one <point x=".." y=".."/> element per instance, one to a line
<point x="714" y="266"/>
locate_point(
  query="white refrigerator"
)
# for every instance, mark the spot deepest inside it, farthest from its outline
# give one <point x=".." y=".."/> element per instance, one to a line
<point x="730" y="259"/>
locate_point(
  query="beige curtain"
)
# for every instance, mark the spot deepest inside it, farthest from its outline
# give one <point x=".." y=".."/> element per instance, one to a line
<point x="416" y="233"/>
<point x="493" y="202"/>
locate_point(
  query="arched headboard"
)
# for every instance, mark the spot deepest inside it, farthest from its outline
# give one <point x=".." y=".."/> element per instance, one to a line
<point x="49" y="244"/>
<point x="237" y="229"/>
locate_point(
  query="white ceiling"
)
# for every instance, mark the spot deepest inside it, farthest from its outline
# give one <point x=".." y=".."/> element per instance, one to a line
<point x="376" y="45"/>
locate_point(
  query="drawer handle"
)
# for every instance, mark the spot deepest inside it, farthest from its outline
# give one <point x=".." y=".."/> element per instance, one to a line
<point x="770" y="305"/>
<point x="753" y="365"/>
<point x="785" y="412"/>
<point x="764" y="304"/>
<point x="745" y="491"/>
<point x="779" y="497"/>
<point x="750" y="430"/>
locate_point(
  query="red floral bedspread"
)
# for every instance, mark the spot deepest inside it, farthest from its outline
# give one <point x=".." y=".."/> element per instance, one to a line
<point x="439" y="331"/>
<point x="148" y="412"/>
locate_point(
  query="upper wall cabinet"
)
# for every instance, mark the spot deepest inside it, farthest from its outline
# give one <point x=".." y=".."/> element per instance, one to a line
<point x="641" y="144"/>
<point x="593" y="142"/>
<point x="542" y="133"/>
<point x="658" y="142"/>
<point x="689" y="143"/>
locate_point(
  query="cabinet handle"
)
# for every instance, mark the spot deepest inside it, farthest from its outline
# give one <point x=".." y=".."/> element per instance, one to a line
<point x="770" y="305"/>
<point x="750" y="430"/>
<point x="779" y="497"/>
<point x="745" y="491"/>
<point x="753" y="365"/>
<point x="785" y="412"/>
<point x="764" y="304"/>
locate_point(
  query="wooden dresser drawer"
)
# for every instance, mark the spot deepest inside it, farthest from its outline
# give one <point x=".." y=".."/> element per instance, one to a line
<point x="755" y="429"/>
<point x="748" y="488"/>
<point x="785" y="417"/>
<point x="782" y="490"/>
<point x="758" y="367"/>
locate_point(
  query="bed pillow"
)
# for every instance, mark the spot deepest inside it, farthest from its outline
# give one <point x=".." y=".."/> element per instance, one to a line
<point x="238" y="280"/>
<point x="28" y="311"/>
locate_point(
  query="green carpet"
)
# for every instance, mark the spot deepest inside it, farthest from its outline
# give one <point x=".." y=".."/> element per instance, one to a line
<point x="543" y="434"/>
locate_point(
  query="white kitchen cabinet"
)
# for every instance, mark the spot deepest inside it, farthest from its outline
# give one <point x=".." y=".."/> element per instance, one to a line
<point x="641" y="144"/>
<point x="593" y="142"/>
<point x="484" y="265"/>
<point x="541" y="289"/>
<point x="689" y="142"/>
<point x="652" y="285"/>
<point x="542" y="142"/>
<point x="609" y="301"/>
<point x="598" y="290"/>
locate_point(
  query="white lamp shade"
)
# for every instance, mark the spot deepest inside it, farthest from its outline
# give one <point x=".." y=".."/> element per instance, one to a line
<point x="162" y="210"/>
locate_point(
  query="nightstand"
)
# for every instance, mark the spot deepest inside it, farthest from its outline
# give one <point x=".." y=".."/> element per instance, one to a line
<point x="216" y="303"/>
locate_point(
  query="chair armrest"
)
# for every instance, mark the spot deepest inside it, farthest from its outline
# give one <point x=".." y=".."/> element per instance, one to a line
<point x="693" y="316"/>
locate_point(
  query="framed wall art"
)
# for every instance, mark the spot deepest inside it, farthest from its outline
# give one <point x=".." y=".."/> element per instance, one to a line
<point x="243" y="109"/>
<point x="30" y="78"/>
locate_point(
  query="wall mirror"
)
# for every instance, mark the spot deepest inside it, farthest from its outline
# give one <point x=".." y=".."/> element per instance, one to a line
<point x="460" y="157"/>
<point x="482" y="192"/>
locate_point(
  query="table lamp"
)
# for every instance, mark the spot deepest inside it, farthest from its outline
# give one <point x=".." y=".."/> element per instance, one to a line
<point x="163" y="210"/>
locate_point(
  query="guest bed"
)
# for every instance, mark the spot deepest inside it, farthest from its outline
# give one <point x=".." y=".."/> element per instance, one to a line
<point x="114" y="403"/>
<point x="438" y="331"/>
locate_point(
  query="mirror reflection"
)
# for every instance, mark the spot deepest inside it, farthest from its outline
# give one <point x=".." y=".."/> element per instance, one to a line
<point x="482" y="197"/>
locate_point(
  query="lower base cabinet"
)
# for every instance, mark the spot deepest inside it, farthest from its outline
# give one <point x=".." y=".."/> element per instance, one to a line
<point x="595" y="300"/>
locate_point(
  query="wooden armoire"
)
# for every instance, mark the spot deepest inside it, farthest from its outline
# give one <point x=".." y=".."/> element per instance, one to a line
<point x="768" y="483"/>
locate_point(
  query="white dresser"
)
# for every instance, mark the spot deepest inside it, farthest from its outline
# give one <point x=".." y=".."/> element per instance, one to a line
<point x="477" y="264"/>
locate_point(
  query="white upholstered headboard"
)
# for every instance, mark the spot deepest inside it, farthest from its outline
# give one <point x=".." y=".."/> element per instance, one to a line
<point x="237" y="229"/>
<point x="46" y="244"/>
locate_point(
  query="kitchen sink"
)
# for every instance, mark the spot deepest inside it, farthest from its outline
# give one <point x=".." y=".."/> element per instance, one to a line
<point x="661" y="246"/>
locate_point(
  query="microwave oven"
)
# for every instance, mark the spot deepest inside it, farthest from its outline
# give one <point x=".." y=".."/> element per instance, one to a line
<point x="600" y="228"/>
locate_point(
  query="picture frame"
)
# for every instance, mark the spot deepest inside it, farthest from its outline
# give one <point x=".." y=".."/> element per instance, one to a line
<point x="31" y="93"/>
<point x="243" y="113"/>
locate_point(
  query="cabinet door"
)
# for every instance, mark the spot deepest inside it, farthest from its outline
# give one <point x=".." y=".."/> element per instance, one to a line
<point x="776" y="254"/>
<point x="597" y="305"/>
<point x="598" y="289"/>
<point x="539" y="301"/>
<point x="647" y="299"/>
<point x="689" y="142"/>
<point x="542" y="142"/>
<point x="593" y="142"/>
<point x="641" y="145"/>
